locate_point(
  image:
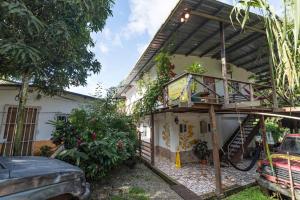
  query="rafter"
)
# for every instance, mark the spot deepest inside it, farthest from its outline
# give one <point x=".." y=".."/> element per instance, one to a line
<point x="235" y="46"/>
<point x="251" y="60"/>
<point x="227" y="39"/>
<point x="195" y="30"/>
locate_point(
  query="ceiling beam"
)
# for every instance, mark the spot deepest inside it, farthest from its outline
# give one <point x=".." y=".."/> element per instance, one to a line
<point x="195" y="30"/>
<point x="235" y="34"/>
<point x="261" y="69"/>
<point x="235" y="46"/>
<point x="214" y="34"/>
<point x="254" y="51"/>
<point x="257" y="66"/>
<point x="251" y="60"/>
<point x="228" y="21"/>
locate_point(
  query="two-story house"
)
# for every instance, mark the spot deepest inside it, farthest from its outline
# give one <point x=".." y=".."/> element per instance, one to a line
<point x="201" y="32"/>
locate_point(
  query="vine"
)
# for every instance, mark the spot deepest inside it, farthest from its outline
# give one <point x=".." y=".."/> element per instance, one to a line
<point x="153" y="94"/>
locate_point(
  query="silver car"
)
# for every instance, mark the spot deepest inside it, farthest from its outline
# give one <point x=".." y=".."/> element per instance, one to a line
<point x="38" y="178"/>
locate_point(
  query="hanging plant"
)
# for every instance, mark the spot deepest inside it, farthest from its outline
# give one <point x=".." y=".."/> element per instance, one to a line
<point x="154" y="91"/>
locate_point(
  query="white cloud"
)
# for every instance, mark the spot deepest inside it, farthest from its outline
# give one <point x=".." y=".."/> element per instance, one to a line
<point x="103" y="48"/>
<point x="147" y="16"/>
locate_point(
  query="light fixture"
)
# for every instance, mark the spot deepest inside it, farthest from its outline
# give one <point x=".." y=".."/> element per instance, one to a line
<point x="185" y="15"/>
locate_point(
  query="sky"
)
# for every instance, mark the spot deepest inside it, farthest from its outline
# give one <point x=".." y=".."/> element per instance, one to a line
<point x="125" y="37"/>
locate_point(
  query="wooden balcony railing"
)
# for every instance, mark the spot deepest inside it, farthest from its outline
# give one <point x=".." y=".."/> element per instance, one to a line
<point x="189" y="89"/>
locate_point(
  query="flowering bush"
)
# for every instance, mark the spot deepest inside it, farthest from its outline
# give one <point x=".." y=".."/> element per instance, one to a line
<point x="96" y="138"/>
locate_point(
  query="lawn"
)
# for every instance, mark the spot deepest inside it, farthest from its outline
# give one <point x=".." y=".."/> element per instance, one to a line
<point x="252" y="193"/>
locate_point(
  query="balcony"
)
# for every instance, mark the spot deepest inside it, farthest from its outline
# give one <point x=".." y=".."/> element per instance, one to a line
<point x="189" y="90"/>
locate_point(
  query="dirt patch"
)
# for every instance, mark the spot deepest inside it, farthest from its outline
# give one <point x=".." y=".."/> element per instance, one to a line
<point x="137" y="183"/>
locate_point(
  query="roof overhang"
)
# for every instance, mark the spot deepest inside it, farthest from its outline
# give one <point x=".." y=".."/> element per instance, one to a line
<point x="200" y="36"/>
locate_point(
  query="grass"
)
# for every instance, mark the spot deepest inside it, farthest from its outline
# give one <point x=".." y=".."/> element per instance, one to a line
<point x="252" y="193"/>
<point x="134" y="193"/>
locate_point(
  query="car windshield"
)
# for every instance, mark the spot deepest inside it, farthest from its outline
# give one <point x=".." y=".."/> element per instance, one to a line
<point x="291" y="145"/>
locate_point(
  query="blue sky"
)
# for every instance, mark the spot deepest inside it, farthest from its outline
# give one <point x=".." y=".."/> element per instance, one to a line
<point x="125" y="37"/>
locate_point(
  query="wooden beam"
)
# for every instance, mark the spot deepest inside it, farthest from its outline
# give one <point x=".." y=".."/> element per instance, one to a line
<point x="215" y="33"/>
<point x="257" y="66"/>
<point x="254" y="51"/>
<point x="152" y="140"/>
<point x="235" y="34"/>
<point x="191" y="34"/>
<point x="223" y="62"/>
<point x="243" y="42"/>
<point x="216" y="146"/>
<point x="226" y="21"/>
<point x="251" y="60"/>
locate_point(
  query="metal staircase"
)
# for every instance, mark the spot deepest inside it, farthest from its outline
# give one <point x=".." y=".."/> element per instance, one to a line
<point x="242" y="135"/>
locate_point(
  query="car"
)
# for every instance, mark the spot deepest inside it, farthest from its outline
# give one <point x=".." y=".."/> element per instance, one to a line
<point x="39" y="178"/>
<point x="279" y="181"/>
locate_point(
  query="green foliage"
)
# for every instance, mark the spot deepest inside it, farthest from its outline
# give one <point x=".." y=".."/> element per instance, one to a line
<point x="45" y="151"/>
<point x="278" y="132"/>
<point x="201" y="150"/>
<point x="196" y="68"/>
<point x="96" y="138"/>
<point x="49" y="40"/>
<point x="134" y="193"/>
<point x="252" y="193"/>
<point x="283" y="40"/>
<point x="153" y="94"/>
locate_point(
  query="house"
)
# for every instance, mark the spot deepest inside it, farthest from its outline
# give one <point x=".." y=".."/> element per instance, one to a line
<point x="40" y="109"/>
<point x="222" y="109"/>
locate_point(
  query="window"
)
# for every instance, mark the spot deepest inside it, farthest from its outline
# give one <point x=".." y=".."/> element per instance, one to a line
<point x="182" y="128"/>
<point x="144" y="132"/>
<point x="62" y="117"/>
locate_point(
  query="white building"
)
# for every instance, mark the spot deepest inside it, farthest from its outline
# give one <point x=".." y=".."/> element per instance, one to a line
<point x="40" y="110"/>
<point x="183" y="118"/>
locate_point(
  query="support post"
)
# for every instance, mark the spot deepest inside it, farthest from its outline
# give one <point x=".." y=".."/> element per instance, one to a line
<point x="216" y="156"/>
<point x="140" y="143"/>
<point x="263" y="131"/>
<point x="251" y="92"/>
<point x="274" y="94"/>
<point x="223" y="62"/>
<point x="152" y="139"/>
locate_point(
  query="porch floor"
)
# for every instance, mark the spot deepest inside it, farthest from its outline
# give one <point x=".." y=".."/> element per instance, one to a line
<point x="202" y="181"/>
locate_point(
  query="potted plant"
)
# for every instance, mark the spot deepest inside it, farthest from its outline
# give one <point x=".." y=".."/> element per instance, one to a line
<point x="201" y="151"/>
<point x="195" y="68"/>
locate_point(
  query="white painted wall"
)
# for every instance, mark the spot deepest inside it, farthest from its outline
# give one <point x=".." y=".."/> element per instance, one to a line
<point x="49" y="108"/>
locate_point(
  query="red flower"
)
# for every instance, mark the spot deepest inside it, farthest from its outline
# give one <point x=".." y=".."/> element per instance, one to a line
<point x="120" y="145"/>
<point x="94" y="136"/>
<point x="79" y="141"/>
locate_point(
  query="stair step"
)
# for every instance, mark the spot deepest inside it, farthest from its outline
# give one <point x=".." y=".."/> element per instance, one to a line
<point x="235" y="146"/>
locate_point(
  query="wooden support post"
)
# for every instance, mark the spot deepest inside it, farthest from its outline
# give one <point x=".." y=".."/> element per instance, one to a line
<point x="216" y="156"/>
<point x="140" y="143"/>
<point x="263" y="132"/>
<point x="223" y="61"/>
<point x="251" y="92"/>
<point x="152" y="139"/>
<point x="274" y="94"/>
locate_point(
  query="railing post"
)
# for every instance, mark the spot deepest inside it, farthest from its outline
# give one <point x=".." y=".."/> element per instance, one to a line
<point x="251" y="92"/>
<point x="189" y="90"/>
<point x="140" y="144"/>
<point x="223" y="61"/>
<point x="152" y="139"/>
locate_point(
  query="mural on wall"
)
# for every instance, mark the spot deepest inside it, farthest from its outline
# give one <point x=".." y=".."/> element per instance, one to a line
<point x="186" y="139"/>
<point x="166" y="134"/>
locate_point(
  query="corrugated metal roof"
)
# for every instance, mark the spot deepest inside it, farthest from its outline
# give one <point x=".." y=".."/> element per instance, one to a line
<point x="200" y="36"/>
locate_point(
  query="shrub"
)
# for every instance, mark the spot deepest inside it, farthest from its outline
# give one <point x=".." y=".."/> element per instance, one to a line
<point x="45" y="151"/>
<point x="97" y="138"/>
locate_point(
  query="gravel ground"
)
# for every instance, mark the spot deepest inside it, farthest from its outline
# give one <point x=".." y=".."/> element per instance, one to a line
<point x="202" y="180"/>
<point x="120" y="180"/>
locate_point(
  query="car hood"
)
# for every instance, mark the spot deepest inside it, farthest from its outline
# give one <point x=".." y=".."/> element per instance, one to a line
<point x="28" y="166"/>
<point x="19" y="174"/>
<point x="283" y="163"/>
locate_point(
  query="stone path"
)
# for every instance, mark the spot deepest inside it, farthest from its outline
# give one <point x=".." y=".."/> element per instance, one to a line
<point x="141" y="176"/>
<point x="202" y="181"/>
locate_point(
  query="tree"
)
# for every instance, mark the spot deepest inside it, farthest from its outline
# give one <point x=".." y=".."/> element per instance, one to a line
<point x="283" y="39"/>
<point x="47" y="44"/>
